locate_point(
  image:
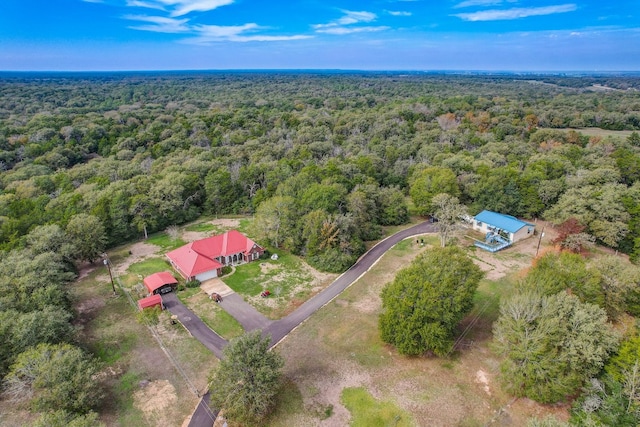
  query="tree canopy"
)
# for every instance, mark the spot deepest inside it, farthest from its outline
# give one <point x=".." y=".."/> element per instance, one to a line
<point x="246" y="381"/>
<point x="424" y="304"/>
<point x="551" y="344"/>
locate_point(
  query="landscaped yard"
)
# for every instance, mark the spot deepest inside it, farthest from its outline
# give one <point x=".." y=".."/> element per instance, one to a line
<point x="211" y="313"/>
<point x="289" y="279"/>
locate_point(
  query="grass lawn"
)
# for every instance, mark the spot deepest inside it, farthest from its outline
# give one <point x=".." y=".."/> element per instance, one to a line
<point x="149" y="266"/>
<point x="288" y="278"/>
<point x="211" y="314"/>
<point x="369" y="412"/>
<point x="204" y="227"/>
<point x="164" y="242"/>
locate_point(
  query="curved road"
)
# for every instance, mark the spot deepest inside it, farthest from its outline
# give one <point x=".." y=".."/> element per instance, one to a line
<point x="278" y="330"/>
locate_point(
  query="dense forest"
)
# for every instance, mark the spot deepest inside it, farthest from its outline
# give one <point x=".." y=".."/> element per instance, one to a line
<point x="323" y="162"/>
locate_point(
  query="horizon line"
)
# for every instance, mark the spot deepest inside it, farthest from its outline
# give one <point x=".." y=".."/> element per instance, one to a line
<point x="337" y="70"/>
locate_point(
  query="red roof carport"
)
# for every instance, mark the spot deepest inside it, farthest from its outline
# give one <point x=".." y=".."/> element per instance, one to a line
<point x="158" y="280"/>
<point x="149" y="302"/>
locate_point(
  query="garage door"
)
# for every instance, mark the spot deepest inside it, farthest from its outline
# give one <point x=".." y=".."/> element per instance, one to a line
<point x="207" y="275"/>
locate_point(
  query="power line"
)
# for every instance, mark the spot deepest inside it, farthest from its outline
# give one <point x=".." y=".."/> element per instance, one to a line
<point x="153" y="331"/>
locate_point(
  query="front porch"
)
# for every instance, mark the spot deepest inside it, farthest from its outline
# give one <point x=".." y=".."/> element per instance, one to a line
<point x="493" y="242"/>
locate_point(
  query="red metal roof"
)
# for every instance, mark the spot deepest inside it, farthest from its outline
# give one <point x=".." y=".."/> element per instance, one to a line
<point x="158" y="280"/>
<point x="199" y="256"/>
<point x="151" y="301"/>
<point x="190" y="262"/>
<point x="229" y="243"/>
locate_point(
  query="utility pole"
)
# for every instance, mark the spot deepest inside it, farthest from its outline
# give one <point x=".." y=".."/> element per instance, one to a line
<point x="540" y="240"/>
<point x="108" y="264"/>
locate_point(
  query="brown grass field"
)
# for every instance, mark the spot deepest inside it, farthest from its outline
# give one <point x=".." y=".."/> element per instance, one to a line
<point x="339" y="347"/>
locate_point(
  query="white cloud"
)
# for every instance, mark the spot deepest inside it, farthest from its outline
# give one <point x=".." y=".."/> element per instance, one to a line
<point x="516" y="13"/>
<point x="472" y="3"/>
<point x="348" y="24"/>
<point x="93" y="1"/>
<point x="207" y="34"/>
<point x="188" y="6"/>
<point x="350" y="17"/>
<point x="144" y="4"/>
<point x="398" y="13"/>
<point x="202" y="34"/>
<point x="180" y="7"/>
<point x="351" y="30"/>
<point x="160" y="24"/>
<point x="224" y="32"/>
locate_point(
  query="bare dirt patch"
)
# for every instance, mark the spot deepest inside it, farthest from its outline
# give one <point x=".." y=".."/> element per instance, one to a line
<point x="227" y="223"/>
<point x="155" y="399"/>
<point x="138" y="252"/>
<point x="223" y="223"/>
<point x="266" y="267"/>
<point x="517" y="257"/>
<point x="192" y="236"/>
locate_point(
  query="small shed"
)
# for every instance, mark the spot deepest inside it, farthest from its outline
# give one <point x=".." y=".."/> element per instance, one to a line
<point x="160" y="283"/>
<point x="154" y="300"/>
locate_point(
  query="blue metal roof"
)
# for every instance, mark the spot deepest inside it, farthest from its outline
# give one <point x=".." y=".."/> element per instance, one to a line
<point x="504" y="222"/>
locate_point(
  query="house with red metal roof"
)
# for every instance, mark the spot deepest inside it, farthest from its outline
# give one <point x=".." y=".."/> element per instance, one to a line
<point x="154" y="300"/>
<point x="160" y="283"/>
<point x="204" y="259"/>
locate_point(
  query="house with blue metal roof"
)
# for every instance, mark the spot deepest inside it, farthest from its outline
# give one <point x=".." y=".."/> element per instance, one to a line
<point x="500" y="230"/>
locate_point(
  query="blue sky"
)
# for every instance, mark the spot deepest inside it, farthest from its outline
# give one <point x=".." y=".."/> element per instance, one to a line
<point x="510" y="35"/>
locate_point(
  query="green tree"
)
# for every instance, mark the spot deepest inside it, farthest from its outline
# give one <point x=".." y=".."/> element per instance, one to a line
<point x="605" y="402"/>
<point x="53" y="377"/>
<point x="49" y="324"/>
<point x="565" y="271"/>
<point x="618" y="280"/>
<point x="361" y="203"/>
<point x="428" y="182"/>
<point x="551" y="344"/>
<point x="223" y="193"/>
<point x="427" y="300"/>
<point x="246" y="381"/>
<point x="87" y="236"/>
<point x="62" y="418"/>
<point x="276" y="220"/>
<point x="393" y="206"/>
<point x="450" y="213"/>
<point x="600" y="207"/>
<point x="50" y="238"/>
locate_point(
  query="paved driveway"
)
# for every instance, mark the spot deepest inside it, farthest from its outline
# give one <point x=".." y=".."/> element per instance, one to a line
<point x="194" y="325"/>
<point x="279" y="329"/>
<point x="251" y="319"/>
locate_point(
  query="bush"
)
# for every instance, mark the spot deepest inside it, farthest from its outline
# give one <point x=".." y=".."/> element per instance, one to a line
<point x="226" y="270"/>
<point x="149" y="316"/>
<point x="195" y="283"/>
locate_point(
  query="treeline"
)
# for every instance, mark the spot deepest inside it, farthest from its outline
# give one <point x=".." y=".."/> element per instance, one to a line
<point x="143" y="152"/>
